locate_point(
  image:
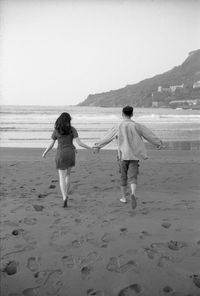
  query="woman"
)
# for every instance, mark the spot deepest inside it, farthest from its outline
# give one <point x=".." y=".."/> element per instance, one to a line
<point x="64" y="133"/>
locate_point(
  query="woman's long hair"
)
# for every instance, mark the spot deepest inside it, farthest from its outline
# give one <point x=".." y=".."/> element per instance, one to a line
<point x="63" y="124"/>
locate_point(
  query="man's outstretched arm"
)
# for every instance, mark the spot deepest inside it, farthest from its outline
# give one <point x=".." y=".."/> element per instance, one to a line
<point x="148" y="135"/>
<point x="111" y="135"/>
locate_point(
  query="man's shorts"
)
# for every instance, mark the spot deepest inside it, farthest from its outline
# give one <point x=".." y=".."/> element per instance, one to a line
<point x="129" y="170"/>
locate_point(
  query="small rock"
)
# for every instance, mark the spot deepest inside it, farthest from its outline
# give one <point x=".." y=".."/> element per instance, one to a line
<point x="38" y="208"/>
<point x="166" y="224"/>
<point x="196" y="279"/>
<point x="167" y="289"/>
<point x="77" y="220"/>
<point x="15" y="232"/>
<point x="175" y="246"/>
<point x="54" y="181"/>
<point x="41" y="195"/>
<point x="52" y="186"/>
<point x="11" y="268"/>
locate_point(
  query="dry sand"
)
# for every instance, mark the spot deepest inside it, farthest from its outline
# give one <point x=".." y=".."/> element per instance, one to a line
<point x="99" y="246"/>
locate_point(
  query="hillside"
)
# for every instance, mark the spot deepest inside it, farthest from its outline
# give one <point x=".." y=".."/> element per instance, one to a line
<point x="155" y="91"/>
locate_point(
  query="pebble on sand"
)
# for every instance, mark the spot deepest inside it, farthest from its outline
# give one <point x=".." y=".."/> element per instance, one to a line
<point x="166" y="224"/>
<point x="196" y="279"/>
<point x="176" y="246"/>
<point x="38" y="208"/>
<point x="11" y="268"/>
<point x="15" y="232"/>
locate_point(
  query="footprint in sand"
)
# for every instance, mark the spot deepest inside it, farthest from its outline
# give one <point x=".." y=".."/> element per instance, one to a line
<point x="144" y="211"/>
<point x="150" y="252"/>
<point x="93" y="292"/>
<point x="167" y="258"/>
<point x="106" y="238"/>
<point x="143" y="234"/>
<point x="175" y="245"/>
<point x="30" y="221"/>
<point x="90" y="258"/>
<point x="115" y="265"/>
<point x="196" y="279"/>
<point x="33" y="263"/>
<point x="76" y="243"/>
<point x="46" y="277"/>
<point x="68" y="261"/>
<point x="53" y="283"/>
<point x="85" y="272"/>
<point x="105" y="223"/>
<point x="130" y="290"/>
<point x="40" y="276"/>
<point x="26" y="248"/>
<point x="17" y="209"/>
<point x="127" y="266"/>
<point x="31" y="291"/>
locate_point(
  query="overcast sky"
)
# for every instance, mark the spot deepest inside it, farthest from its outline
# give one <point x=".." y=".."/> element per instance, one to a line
<point x="57" y="52"/>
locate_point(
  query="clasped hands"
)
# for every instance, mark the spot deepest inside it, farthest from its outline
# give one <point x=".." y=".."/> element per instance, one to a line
<point x="96" y="148"/>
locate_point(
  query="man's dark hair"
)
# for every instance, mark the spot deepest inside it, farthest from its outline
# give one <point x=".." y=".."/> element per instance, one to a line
<point x="128" y="111"/>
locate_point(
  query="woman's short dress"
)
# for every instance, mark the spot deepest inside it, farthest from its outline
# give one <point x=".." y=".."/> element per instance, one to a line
<point x="65" y="154"/>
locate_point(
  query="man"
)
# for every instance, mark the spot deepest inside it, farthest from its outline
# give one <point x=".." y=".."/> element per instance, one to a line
<point x="131" y="150"/>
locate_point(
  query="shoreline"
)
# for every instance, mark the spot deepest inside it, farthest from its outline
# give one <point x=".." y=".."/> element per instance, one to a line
<point x="170" y="145"/>
<point x="35" y="154"/>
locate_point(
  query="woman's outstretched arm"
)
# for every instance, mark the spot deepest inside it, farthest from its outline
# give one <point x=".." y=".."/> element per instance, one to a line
<point x="80" y="143"/>
<point x="48" y="148"/>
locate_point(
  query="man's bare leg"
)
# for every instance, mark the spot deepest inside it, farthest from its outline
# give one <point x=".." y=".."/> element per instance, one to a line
<point x="133" y="198"/>
<point x="123" y="194"/>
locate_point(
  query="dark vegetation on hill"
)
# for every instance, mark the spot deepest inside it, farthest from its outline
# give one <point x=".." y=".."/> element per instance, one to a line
<point x="146" y="94"/>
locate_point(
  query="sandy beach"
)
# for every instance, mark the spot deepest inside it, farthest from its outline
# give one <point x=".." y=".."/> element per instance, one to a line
<point x="98" y="246"/>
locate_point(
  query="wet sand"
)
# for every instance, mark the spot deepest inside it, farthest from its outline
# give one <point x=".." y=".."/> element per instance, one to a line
<point x="99" y="246"/>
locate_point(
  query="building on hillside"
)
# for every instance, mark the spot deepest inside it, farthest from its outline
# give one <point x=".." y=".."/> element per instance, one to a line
<point x="184" y="103"/>
<point x="196" y="84"/>
<point x="163" y="89"/>
<point x="171" y="88"/>
<point x="175" y="87"/>
<point x="155" y="104"/>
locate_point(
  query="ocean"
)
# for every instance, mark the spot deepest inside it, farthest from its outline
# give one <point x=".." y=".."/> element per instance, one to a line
<point x="32" y="126"/>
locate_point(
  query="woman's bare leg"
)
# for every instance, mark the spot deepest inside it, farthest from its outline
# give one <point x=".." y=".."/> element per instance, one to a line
<point x="62" y="176"/>
<point x="67" y="181"/>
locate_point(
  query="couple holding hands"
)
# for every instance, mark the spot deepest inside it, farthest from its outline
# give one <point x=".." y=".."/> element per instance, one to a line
<point x="131" y="150"/>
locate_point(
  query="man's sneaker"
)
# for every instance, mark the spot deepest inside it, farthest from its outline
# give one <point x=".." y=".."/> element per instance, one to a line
<point x="133" y="201"/>
<point x="123" y="200"/>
